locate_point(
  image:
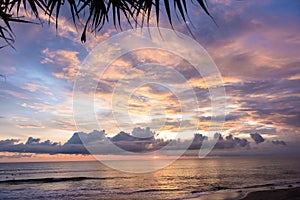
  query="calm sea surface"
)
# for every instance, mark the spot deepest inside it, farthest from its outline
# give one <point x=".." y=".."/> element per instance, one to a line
<point x="185" y="177"/>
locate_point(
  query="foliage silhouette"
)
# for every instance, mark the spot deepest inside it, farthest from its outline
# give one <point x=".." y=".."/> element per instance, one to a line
<point x="93" y="14"/>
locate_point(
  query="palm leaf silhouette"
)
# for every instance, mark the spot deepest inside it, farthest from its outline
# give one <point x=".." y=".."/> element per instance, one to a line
<point x="93" y="13"/>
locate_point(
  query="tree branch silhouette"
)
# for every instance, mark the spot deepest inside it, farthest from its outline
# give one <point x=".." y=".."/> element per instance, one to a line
<point x="94" y="14"/>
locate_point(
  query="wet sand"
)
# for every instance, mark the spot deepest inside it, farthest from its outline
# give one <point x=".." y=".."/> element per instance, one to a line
<point x="287" y="193"/>
<point x="277" y="194"/>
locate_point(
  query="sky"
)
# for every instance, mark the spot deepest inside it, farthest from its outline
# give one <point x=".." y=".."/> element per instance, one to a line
<point x="255" y="45"/>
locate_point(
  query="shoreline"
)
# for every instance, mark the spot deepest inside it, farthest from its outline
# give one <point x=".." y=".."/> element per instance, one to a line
<point x="280" y="192"/>
<point x="291" y="193"/>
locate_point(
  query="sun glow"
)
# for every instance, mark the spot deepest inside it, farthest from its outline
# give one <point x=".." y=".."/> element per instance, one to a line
<point x="155" y="157"/>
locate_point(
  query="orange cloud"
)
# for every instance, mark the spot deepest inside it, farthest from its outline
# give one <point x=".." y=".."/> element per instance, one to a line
<point x="65" y="62"/>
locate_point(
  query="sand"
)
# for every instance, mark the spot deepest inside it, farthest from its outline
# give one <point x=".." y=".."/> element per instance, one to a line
<point x="291" y="193"/>
<point x="277" y="194"/>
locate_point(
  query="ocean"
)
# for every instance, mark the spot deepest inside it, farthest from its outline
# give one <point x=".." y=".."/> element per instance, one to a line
<point x="184" y="179"/>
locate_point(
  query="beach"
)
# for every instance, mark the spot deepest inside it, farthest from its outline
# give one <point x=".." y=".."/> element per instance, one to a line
<point x="287" y="193"/>
<point x="277" y="194"/>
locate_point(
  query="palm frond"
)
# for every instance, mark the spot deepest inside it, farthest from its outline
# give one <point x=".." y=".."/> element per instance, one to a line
<point x="7" y="16"/>
<point x="93" y="13"/>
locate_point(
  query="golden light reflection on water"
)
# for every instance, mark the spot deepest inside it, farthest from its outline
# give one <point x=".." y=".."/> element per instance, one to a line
<point x="183" y="178"/>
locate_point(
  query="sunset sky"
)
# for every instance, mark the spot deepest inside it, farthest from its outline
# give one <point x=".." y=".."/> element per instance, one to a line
<point x="255" y="45"/>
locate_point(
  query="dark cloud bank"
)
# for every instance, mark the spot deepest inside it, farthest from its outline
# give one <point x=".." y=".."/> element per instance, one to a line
<point x="140" y="140"/>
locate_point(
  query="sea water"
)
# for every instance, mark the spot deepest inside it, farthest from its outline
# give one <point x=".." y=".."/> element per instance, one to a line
<point x="184" y="179"/>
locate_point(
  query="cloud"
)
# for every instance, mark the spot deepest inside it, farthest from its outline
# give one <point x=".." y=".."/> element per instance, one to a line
<point x="34" y="87"/>
<point x="278" y="142"/>
<point x="99" y="143"/>
<point x="16" y="155"/>
<point x="257" y="138"/>
<point x="65" y="62"/>
<point x="27" y="123"/>
<point x="142" y="133"/>
<point x="229" y="142"/>
<point x="122" y="136"/>
<point x="258" y="59"/>
<point x="236" y="48"/>
<point x="9" y="142"/>
<point x="87" y="138"/>
<point x="33" y="145"/>
<point x="7" y="70"/>
<point x="239" y="141"/>
<point x="32" y="140"/>
<point x="64" y="123"/>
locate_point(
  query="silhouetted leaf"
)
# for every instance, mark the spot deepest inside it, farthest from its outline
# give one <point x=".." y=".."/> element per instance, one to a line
<point x="93" y="13"/>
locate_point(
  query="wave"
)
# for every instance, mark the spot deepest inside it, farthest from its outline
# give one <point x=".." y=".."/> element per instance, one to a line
<point x="40" y="171"/>
<point x="58" y="179"/>
<point x="148" y="191"/>
<point x="271" y="185"/>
